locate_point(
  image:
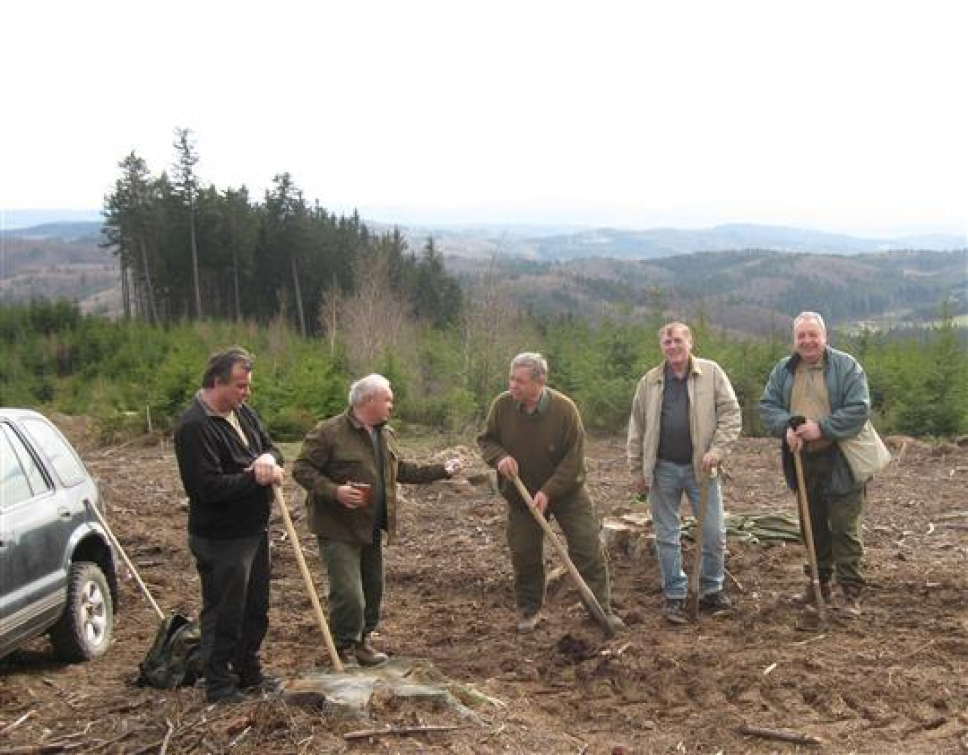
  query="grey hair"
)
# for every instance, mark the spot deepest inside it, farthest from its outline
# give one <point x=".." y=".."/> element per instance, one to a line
<point x="366" y="387"/>
<point x="809" y="316"/>
<point x="533" y="361"/>
<point x="666" y="330"/>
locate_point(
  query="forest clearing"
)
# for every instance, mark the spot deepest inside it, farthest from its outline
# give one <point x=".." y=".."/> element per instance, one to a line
<point x="894" y="680"/>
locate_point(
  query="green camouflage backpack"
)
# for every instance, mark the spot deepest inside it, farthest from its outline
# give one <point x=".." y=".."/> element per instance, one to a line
<point x="175" y="657"/>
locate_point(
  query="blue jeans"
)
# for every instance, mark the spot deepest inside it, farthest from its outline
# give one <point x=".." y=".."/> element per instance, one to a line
<point x="669" y="482"/>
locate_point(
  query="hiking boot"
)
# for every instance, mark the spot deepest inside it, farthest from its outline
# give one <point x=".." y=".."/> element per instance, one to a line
<point x="850" y="602"/>
<point x="367" y="655"/>
<point x="806" y="598"/>
<point x="674" y="611"/>
<point x="527" y="623"/>
<point x="346" y="655"/>
<point x="716" y="603"/>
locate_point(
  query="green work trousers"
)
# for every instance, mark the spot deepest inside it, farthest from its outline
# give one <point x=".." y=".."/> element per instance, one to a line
<point x="355" y="588"/>
<point x="577" y="520"/>
<point x="835" y="520"/>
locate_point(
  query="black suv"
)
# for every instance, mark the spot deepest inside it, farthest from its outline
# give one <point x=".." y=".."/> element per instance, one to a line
<point x="57" y="570"/>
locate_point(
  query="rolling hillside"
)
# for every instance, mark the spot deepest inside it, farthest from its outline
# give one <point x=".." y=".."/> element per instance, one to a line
<point x="752" y="291"/>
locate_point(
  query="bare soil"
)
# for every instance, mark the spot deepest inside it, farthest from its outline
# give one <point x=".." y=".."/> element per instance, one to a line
<point x="894" y="680"/>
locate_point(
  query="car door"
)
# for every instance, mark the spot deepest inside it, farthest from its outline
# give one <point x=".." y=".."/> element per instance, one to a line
<point x="34" y="528"/>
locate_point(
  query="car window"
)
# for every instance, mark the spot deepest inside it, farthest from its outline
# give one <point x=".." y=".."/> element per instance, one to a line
<point x="14" y="486"/>
<point x="35" y="475"/>
<point x="61" y="455"/>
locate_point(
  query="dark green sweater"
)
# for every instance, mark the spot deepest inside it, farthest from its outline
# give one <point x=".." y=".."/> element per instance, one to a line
<point x="549" y="445"/>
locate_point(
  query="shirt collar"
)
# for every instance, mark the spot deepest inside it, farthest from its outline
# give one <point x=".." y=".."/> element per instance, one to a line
<point x="543" y="402"/>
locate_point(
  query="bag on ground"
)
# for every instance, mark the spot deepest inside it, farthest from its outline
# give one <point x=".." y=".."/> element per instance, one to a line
<point x="175" y="657"/>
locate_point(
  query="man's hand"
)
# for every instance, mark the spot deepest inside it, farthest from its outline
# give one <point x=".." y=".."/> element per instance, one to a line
<point x="508" y="467"/>
<point x="710" y="460"/>
<point x="541" y="501"/>
<point x="452" y="466"/>
<point x="809" y="430"/>
<point x="794" y="441"/>
<point x="350" y="497"/>
<point x="267" y="471"/>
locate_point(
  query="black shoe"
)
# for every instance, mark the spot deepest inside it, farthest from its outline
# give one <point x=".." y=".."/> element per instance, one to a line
<point x="224" y="695"/>
<point x="716" y="602"/>
<point x="674" y="611"/>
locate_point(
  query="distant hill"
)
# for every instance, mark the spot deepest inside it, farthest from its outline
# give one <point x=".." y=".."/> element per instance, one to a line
<point x="746" y="278"/>
<point x="82" y="230"/>
<point x="752" y="292"/>
<point x="666" y="242"/>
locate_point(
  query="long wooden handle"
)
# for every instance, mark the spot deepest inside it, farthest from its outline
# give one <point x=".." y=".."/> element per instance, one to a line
<point x="808" y="537"/>
<point x="124" y="557"/>
<point x="586" y="594"/>
<point x="308" y="580"/>
<point x="693" y="600"/>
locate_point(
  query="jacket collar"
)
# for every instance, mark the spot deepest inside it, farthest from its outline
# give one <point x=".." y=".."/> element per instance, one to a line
<point x="694" y="369"/>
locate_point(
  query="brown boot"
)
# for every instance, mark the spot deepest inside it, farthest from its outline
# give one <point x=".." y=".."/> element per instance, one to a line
<point x="850" y="601"/>
<point x="367" y="655"/>
<point x="806" y="598"/>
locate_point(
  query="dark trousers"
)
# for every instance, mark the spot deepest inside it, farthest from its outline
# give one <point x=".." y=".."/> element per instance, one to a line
<point x="835" y="520"/>
<point x="581" y="528"/>
<point x="235" y="605"/>
<point x="355" y="588"/>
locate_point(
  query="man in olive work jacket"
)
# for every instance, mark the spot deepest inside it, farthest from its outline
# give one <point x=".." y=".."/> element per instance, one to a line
<point x="535" y="433"/>
<point x="350" y="466"/>
<point x="228" y="466"/>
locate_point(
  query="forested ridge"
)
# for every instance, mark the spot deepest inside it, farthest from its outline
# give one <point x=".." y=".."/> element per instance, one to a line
<point x="193" y="251"/>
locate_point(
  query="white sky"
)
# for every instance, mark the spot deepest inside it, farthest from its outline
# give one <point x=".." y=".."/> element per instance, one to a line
<point x="844" y="115"/>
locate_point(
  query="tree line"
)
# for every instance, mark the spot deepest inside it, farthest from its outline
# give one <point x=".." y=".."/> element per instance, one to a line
<point x="117" y="372"/>
<point x="190" y="251"/>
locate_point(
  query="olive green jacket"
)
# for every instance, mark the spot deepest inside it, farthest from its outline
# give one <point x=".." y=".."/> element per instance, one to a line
<point x="340" y="450"/>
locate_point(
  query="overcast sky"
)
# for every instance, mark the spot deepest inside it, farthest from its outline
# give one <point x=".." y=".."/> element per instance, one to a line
<point x="848" y="115"/>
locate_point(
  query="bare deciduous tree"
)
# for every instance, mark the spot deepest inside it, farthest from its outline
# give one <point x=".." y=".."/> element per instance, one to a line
<point x="376" y="321"/>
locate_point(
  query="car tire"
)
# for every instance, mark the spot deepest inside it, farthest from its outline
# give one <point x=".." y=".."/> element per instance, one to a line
<point x="84" y="630"/>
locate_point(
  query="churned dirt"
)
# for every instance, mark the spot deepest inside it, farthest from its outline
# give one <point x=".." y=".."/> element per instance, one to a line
<point x="894" y="680"/>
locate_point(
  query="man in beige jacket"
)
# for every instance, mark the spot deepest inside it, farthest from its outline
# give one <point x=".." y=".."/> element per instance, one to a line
<point x="685" y="417"/>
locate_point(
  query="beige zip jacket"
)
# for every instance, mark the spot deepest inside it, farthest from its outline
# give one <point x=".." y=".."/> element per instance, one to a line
<point x="715" y="419"/>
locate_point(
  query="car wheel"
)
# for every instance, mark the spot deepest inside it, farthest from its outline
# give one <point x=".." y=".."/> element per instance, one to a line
<point x="84" y="630"/>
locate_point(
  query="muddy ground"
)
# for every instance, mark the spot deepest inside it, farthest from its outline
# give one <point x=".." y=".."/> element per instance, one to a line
<point x="895" y="680"/>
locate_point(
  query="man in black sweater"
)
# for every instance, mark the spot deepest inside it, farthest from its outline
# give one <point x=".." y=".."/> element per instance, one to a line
<point x="228" y="465"/>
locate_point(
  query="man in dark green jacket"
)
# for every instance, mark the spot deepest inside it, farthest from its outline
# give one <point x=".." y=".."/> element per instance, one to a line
<point x="350" y="465"/>
<point x="814" y="398"/>
<point x="535" y="433"/>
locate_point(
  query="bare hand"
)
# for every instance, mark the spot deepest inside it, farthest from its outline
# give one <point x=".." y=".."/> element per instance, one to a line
<point x="541" y="501"/>
<point x="794" y="441"/>
<point x="508" y="467"/>
<point x="710" y="460"/>
<point x="809" y="430"/>
<point x="452" y="466"/>
<point x="267" y="471"/>
<point x="350" y="497"/>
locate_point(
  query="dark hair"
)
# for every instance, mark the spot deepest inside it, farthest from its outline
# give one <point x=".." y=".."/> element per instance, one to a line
<point x="220" y="365"/>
